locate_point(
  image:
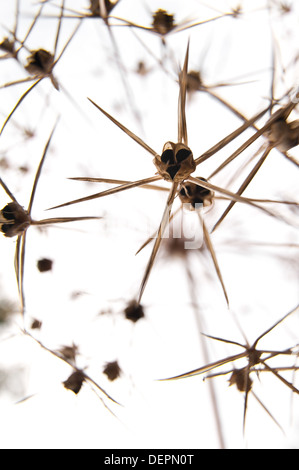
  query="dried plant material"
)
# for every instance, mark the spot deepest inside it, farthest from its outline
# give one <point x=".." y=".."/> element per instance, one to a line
<point x="194" y="281"/>
<point x="112" y="370"/>
<point x="8" y="46"/>
<point x="96" y="7"/>
<point x="15" y="222"/>
<point x="134" y="311"/>
<point x="254" y="357"/>
<point x="163" y="22"/>
<point x="174" y="165"/>
<point x="176" y="162"/>
<point x="36" y="324"/>
<point x="44" y="265"/>
<point x="240" y="379"/>
<point x="284" y="135"/>
<point x="196" y="195"/>
<point x="78" y="377"/>
<point x="40" y="64"/>
<point x="69" y="352"/>
<point x="75" y="381"/>
<point x="194" y="81"/>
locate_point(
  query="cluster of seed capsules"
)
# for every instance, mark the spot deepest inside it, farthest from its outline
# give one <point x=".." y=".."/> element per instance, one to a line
<point x="175" y="165"/>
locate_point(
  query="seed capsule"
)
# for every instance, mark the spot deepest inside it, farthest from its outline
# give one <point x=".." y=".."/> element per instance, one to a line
<point x="18" y="220"/>
<point x="176" y="162"/>
<point x="193" y="194"/>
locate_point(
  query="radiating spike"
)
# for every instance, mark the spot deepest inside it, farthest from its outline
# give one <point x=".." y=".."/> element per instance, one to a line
<point x="108" y="192"/>
<point x="161" y="230"/>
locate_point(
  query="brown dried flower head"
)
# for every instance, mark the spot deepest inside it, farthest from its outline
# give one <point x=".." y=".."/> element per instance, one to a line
<point x="134" y="311"/>
<point x="18" y="220"/>
<point x="112" y="370"/>
<point x="95" y="10"/>
<point x="8" y="46"/>
<point x="163" y="22"/>
<point x="176" y="162"/>
<point x="285" y="135"/>
<point x="194" y="81"/>
<point x="69" y="352"/>
<point x="44" y="265"/>
<point x="193" y="194"/>
<point x="75" y="381"/>
<point x="40" y="63"/>
<point x="241" y="379"/>
<point x="36" y="324"/>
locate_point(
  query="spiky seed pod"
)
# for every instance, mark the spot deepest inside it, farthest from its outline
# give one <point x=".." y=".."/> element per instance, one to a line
<point x="193" y="194"/>
<point x="134" y="311"/>
<point x="40" y="63"/>
<point x="94" y="7"/>
<point x="285" y="135"/>
<point x="176" y="162"/>
<point x="18" y="220"/>
<point x="194" y="81"/>
<point x="44" y="265"/>
<point x="75" y="381"/>
<point x="163" y="22"/>
<point x="240" y="378"/>
<point x="36" y="324"/>
<point x="254" y="357"/>
<point x="8" y="46"/>
<point x="112" y="370"/>
<point x="69" y="352"/>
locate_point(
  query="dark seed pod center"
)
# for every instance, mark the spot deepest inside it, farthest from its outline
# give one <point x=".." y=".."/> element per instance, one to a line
<point x="193" y="194"/>
<point x="18" y="220"/>
<point x="176" y="162"/>
<point x="163" y="22"/>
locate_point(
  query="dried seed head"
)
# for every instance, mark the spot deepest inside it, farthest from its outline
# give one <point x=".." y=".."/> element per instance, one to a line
<point x="285" y="135"/>
<point x="134" y="311"/>
<point x="254" y="357"/>
<point x="69" y="352"/>
<point x="112" y="370"/>
<point x="95" y="10"/>
<point x="8" y="46"/>
<point x="44" y="265"/>
<point x="237" y="11"/>
<point x="176" y="162"/>
<point x="40" y="63"/>
<point x="75" y="381"/>
<point x="18" y="220"/>
<point x="163" y="22"/>
<point x="285" y="7"/>
<point x="36" y="324"/>
<point x="194" y="81"/>
<point x="142" y="69"/>
<point x="193" y="194"/>
<point x="241" y="379"/>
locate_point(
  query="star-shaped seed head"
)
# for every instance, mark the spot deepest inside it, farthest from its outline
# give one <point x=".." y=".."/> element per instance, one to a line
<point x="15" y="220"/>
<point x="240" y="378"/>
<point x="176" y="162"/>
<point x="285" y="135"/>
<point x="193" y="194"/>
<point x="40" y="63"/>
<point x="163" y="22"/>
<point x="94" y="7"/>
